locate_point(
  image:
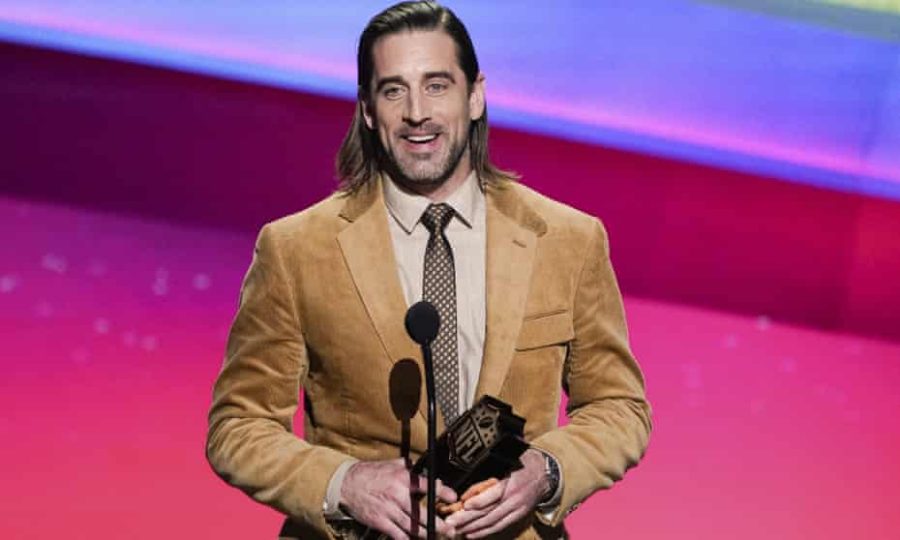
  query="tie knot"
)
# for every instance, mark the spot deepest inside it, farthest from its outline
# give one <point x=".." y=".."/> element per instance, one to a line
<point x="436" y="217"/>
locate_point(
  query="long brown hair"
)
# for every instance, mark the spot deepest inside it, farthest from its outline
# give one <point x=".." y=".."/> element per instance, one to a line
<point x="358" y="160"/>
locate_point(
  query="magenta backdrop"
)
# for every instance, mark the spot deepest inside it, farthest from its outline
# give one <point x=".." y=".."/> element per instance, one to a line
<point x="114" y="332"/>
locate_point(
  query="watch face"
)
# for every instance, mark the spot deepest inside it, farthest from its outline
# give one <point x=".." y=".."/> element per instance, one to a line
<point x="552" y="474"/>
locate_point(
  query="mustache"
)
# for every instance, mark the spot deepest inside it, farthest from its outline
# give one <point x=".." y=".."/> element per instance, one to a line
<point x="427" y="128"/>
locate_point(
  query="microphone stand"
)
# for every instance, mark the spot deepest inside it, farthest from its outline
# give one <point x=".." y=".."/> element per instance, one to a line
<point x="432" y="436"/>
<point x="422" y="324"/>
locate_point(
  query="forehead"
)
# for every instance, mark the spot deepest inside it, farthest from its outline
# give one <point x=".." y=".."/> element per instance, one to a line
<point x="409" y="54"/>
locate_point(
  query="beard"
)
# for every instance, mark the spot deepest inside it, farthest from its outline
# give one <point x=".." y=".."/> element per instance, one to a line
<point x="425" y="170"/>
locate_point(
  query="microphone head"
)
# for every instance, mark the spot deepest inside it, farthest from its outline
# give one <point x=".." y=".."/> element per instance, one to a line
<point x="422" y="322"/>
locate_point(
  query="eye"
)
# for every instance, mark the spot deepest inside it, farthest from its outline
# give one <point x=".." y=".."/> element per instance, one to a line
<point x="392" y="92"/>
<point x="436" y="87"/>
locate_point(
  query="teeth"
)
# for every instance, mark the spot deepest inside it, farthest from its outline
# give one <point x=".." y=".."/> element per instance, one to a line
<point x="421" y="138"/>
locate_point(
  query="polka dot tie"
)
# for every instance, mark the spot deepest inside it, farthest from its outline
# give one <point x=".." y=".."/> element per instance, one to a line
<point x="439" y="288"/>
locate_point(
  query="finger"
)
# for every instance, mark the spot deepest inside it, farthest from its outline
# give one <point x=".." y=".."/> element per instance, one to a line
<point x="444" y="528"/>
<point x="479" y="487"/>
<point x="445" y="493"/>
<point x="496" y="514"/>
<point x="416" y="524"/>
<point x="411" y="525"/>
<point x="415" y="506"/>
<point x="486" y="498"/>
<point x="419" y="486"/>
<point x="504" y="522"/>
<point x="390" y="528"/>
<point x="462" y="518"/>
<point x="418" y="514"/>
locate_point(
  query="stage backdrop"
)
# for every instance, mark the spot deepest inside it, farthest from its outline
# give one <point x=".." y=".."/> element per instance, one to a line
<point x="743" y="155"/>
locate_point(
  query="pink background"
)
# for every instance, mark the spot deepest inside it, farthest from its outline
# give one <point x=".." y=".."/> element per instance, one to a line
<point x="114" y="330"/>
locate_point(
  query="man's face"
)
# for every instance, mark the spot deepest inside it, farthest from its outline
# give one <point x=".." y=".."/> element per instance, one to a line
<point x="421" y="106"/>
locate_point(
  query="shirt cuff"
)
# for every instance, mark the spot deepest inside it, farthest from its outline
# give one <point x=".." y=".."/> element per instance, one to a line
<point x="331" y="508"/>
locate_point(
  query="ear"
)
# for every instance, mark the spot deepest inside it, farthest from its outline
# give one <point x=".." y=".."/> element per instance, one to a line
<point x="476" y="98"/>
<point x="366" y="109"/>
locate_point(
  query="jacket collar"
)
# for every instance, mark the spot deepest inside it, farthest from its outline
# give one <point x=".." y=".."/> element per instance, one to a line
<point x="503" y="198"/>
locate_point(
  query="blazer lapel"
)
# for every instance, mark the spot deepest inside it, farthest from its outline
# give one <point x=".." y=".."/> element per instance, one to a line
<point x="369" y="253"/>
<point x="512" y="232"/>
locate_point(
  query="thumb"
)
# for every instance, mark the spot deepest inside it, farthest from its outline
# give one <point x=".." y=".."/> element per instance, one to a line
<point x="445" y="493"/>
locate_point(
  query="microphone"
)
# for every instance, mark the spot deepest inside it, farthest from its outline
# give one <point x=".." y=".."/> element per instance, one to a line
<point x="422" y="324"/>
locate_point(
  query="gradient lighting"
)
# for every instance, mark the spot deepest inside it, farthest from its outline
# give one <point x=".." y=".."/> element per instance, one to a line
<point x="887" y="6"/>
<point x="114" y="331"/>
<point x="706" y="82"/>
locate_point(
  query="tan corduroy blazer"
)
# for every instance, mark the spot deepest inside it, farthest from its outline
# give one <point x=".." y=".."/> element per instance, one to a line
<point x="322" y="310"/>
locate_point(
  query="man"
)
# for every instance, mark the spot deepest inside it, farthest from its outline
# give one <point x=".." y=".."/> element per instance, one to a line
<point x="527" y="297"/>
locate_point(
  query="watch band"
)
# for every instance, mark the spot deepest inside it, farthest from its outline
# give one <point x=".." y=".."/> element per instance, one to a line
<point x="551" y="469"/>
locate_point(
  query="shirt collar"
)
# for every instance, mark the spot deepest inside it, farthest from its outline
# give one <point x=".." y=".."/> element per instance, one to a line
<point x="406" y="208"/>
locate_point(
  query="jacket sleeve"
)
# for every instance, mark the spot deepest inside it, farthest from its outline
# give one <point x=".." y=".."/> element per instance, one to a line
<point x="250" y="443"/>
<point x="609" y="416"/>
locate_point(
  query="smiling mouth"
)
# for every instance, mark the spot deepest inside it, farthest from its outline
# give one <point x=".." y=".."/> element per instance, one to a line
<point x="420" y="139"/>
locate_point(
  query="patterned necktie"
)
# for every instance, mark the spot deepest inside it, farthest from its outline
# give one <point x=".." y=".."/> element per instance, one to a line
<point x="439" y="288"/>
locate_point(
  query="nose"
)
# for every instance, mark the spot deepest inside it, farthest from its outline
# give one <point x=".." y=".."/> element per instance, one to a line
<point x="416" y="110"/>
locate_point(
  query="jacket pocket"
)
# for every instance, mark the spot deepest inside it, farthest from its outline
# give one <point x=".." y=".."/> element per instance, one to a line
<point x="550" y="329"/>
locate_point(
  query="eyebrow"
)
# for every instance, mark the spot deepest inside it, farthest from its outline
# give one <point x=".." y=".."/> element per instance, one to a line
<point x="428" y="75"/>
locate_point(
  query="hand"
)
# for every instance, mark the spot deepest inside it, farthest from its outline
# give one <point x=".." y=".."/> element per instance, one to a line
<point x="504" y="503"/>
<point x="385" y="495"/>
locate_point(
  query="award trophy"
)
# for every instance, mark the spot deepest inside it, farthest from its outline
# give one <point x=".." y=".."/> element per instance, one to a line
<point x="484" y="442"/>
